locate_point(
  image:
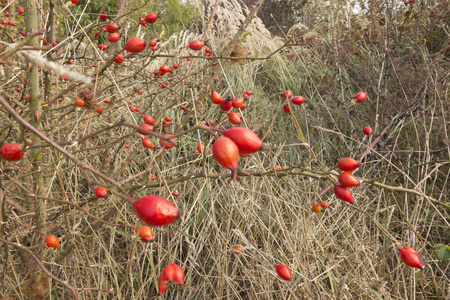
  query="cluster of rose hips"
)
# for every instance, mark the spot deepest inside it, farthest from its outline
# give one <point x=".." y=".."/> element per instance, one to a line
<point x="228" y="104"/>
<point x="297" y="100"/>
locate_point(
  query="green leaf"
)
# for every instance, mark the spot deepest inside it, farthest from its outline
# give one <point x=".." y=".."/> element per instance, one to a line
<point x="437" y="246"/>
<point x="443" y="253"/>
<point x="244" y="37"/>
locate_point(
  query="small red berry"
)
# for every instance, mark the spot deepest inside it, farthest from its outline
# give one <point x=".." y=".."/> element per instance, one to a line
<point x="287" y="94"/>
<point x="149" y="120"/>
<point x="119" y="59"/>
<point x="101" y="192"/>
<point x="135" y="45"/>
<point x="324" y="204"/>
<point x="196" y="45"/>
<point x="411" y="258"/>
<point x="147" y="143"/>
<point x="316" y="208"/>
<point x="151" y="18"/>
<point x="284" y="272"/>
<point x="11" y="152"/>
<point x="298" y="100"/>
<point x="52" y="241"/>
<point x="367" y="130"/>
<point x="361" y="97"/>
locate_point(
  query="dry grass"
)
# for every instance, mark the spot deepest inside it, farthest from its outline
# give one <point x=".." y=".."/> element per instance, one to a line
<point x="344" y="252"/>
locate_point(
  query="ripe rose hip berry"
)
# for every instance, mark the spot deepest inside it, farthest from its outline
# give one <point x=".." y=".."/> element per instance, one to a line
<point x="165" y="144"/>
<point x="112" y="27"/>
<point x="348" y="164"/>
<point x="80" y="102"/>
<point x="226" y="153"/>
<point x="234" y="117"/>
<point x="410" y="257"/>
<point x="316" y="208"/>
<point x="283" y="271"/>
<point x="11" y="152"/>
<point x="114" y="37"/>
<point x="164" y="68"/>
<point x="101" y="192"/>
<point x="237" y="102"/>
<point x="361" y="97"/>
<point x="147" y="143"/>
<point x="324" y="204"/>
<point x="119" y="59"/>
<point x="238" y="249"/>
<point x="297" y="100"/>
<point x="343" y="193"/>
<point x="145" y="127"/>
<point x="135" y="45"/>
<point x="155" y="211"/>
<point x="52" y="241"/>
<point x="200" y="148"/>
<point x="103" y="16"/>
<point x="149" y="120"/>
<point x="226" y="105"/>
<point x="367" y="130"/>
<point x="145" y="234"/>
<point x="286" y="108"/>
<point x="174" y="272"/>
<point x="151" y="18"/>
<point x="287" y="94"/>
<point x="347" y="179"/>
<point x="245" y="139"/>
<point x="196" y="45"/>
<point x="216" y="98"/>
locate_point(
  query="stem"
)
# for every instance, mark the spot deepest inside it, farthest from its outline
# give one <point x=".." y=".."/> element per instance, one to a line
<point x="31" y="25"/>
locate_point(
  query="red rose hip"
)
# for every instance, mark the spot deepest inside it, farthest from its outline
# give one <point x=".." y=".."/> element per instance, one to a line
<point x="11" y="152"/>
<point x="348" y="164"/>
<point x="284" y="272"/>
<point x="155" y="211"/>
<point x="343" y="193"/>
<point x="411" y="258"/>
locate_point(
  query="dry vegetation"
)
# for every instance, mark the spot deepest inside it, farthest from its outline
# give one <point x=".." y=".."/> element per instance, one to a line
<point x="344" y="252"/>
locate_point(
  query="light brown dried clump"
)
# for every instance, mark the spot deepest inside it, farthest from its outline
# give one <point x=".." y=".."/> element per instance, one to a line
<point x="38" y="287"/>
<point x="88" y="98"/>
